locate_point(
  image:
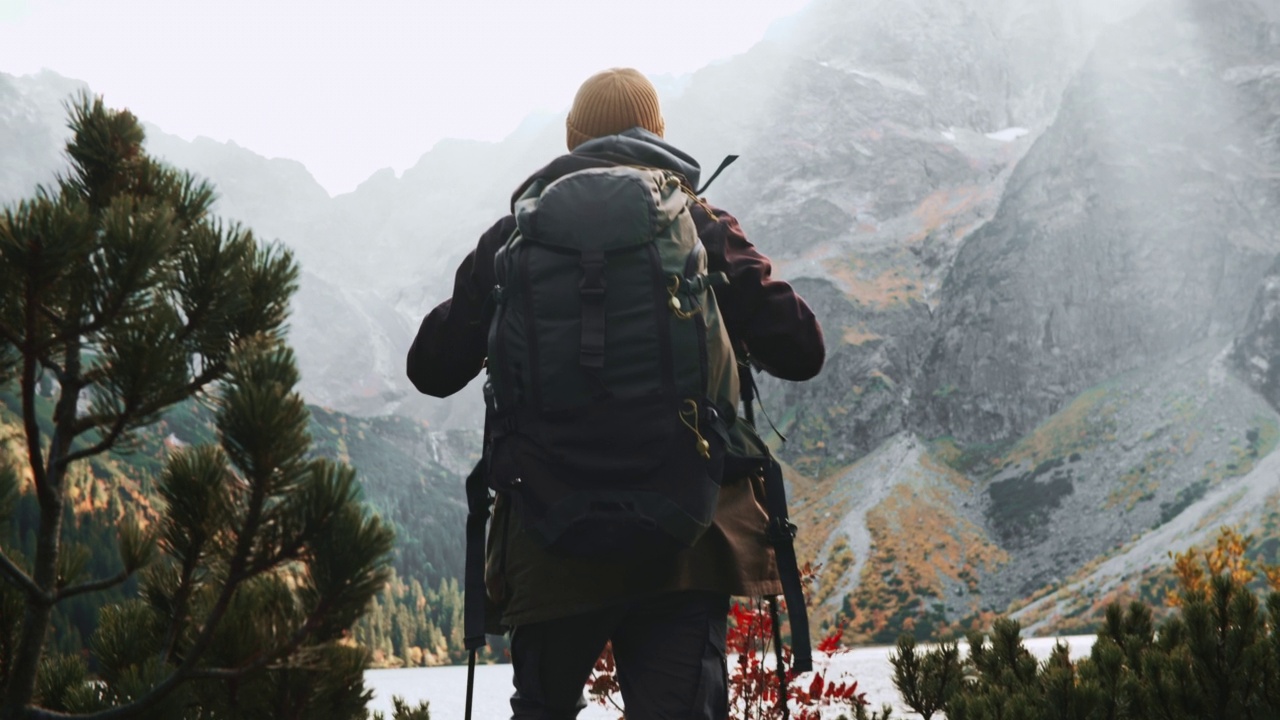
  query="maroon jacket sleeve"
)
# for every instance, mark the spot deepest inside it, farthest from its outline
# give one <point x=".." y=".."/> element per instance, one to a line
<point x="451" y="344"/>
<point x="766" y="315"/>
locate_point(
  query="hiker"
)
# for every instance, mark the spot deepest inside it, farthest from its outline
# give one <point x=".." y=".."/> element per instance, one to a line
<point x="564" y="598"/>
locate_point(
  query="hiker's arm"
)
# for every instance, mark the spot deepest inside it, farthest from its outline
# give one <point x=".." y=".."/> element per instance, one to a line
<point x="452" y="341"/>
<point x="776" y="325"/>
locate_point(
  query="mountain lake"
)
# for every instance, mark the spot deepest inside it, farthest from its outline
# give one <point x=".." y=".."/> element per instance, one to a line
<point x="446" y="687"/>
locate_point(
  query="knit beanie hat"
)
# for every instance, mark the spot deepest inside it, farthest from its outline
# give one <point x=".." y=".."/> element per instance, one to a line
<point x="610" y="102"/>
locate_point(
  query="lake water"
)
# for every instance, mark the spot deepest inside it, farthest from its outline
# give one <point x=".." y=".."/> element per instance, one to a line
<point x="446" y="687"/>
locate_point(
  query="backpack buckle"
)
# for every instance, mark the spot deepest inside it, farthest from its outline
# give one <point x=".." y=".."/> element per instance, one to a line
<point x="781" y="530"/>
<point x="593" y="264"/>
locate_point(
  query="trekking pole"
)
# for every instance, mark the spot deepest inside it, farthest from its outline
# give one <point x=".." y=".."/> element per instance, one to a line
<point x="471" y="681"/>
<point x="473" y="599"/>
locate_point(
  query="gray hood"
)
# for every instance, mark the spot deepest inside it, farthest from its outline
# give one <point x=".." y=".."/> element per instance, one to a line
<point x="646" y="149"/>
<point x="636" y="146"/>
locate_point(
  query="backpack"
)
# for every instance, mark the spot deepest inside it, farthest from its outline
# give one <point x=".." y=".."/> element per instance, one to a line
<point x="611" y="378"/>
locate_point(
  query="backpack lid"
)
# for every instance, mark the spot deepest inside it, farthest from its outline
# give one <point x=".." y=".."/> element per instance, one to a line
<point x="601" y="209"/>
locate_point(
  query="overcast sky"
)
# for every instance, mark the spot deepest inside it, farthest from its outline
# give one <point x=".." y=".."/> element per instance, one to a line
<point x="349" y="88"/>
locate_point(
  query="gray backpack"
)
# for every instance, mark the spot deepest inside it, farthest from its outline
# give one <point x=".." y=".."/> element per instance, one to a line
<point x="612" y="379"/>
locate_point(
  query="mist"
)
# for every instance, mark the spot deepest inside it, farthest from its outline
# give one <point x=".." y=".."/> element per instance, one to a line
<point x="1035" y="232"/>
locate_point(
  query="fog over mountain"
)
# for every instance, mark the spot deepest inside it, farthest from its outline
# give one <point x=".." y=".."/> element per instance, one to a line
<point x="1041" y="235"/>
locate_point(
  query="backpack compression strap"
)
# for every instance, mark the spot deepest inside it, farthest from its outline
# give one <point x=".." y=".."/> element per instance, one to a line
<point x="591" y="290"/>
<point x="728" y="160"/>
<point x="591" y="345"/>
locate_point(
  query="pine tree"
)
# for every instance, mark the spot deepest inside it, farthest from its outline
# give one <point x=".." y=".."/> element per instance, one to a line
<point x="926" y="681"/>
<point x="120" y="295"/>
<point x="1217" y="657"/>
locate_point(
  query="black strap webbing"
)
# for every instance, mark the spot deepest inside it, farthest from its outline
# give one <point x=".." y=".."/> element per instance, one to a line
<point x="591" y="290"/>
<point x="473" y="590"/>
<point x="782" y="535"/>
<point x="728" y="160"/>
<point x="473" y="593"/>
<point x="473" y="575"/>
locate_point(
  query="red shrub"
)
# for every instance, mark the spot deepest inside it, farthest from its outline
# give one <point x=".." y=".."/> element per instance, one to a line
<point x="753" y="681"/>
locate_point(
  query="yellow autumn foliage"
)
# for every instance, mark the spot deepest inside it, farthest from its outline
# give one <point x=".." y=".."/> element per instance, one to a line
<point x="1195" y="568"/>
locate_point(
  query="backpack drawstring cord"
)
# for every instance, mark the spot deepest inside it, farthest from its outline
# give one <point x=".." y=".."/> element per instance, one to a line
<point x="674" y="303"/>
<point x="704" y="447"/>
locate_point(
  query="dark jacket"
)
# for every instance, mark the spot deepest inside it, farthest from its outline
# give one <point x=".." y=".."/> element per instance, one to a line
<point x="762" y="314"/>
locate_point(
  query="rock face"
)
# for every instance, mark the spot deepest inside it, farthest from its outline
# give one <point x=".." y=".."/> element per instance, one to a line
<point x="1138" y="225"/>
<point x="1255" y="355"/>
<point x="32" y="130"/>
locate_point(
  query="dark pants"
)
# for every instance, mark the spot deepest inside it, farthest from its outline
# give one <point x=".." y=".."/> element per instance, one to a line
<point x="669" y="651"/>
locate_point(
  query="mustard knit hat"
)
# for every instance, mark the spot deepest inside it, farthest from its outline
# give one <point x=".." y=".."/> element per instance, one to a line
<point x="612" y="101"/>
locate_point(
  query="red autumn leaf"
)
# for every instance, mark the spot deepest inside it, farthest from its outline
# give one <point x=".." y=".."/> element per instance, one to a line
<point x="831" y="643"/>
<point x="815" y="687"/>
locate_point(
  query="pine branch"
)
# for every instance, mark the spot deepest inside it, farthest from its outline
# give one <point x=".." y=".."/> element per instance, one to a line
<point x="122" y="420"/>
<point x="31" y="426"/>
<point x="285" y="554"/>
<point x="8" y="335"/>
<point x="235" y="575"/>
<point x="55" y="368"/>
<point x="21" y="579"/>
<point x="117" y="300"/>
<point x="188" y="672"/>
<point x="93" y="586"/>
<point x="110" y="311"/>
<point x="51" y="316"/>
<point x="263" y="659"/>
<point x="108" y="440"/>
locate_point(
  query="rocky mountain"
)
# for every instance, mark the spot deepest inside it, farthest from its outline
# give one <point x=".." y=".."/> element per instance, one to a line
<point x="32" y="130"/>
<point x="1037" y="233"/>
<point x="1033" y="371"/>
<point x="1075" y="369"/>
<point x="1138" y="225"/>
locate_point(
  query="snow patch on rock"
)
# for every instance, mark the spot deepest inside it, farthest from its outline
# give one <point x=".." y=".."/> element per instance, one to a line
<point x="886" y="80"/>
<point x="1008" y="134"/>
